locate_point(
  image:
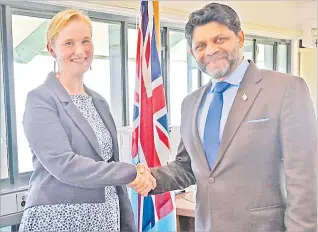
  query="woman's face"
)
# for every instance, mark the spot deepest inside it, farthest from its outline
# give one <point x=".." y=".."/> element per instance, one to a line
<point x="73" y="48"/>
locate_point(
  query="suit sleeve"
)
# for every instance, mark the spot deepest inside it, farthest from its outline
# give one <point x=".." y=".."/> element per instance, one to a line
<point x="177" y="174"/>
<point x="299" y="146"/>
<point x="50" y="144"/>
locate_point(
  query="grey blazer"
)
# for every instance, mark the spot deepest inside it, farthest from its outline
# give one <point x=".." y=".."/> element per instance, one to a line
<point x="68" y="166"/>
<point x="264" y="179"/>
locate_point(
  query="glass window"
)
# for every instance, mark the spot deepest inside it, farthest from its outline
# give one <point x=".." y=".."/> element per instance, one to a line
<point x="98" y="77"/>
<point x="282" y="58"/>
<point x="265" y="57"/>
<point x="248" y="49"/>
<point x="31" y="66"/>
<point x="205" y="78"/>
<point x="194" y="79"/>
<point x="6" y="229"/>
<point x="178" y="74"/>
<point x="194" y="83"/>
<point x="112" y="76"/>
<point x="132" y="51"/>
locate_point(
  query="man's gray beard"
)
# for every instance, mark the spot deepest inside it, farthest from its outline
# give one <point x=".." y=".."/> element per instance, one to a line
<point x="222" y="72"/>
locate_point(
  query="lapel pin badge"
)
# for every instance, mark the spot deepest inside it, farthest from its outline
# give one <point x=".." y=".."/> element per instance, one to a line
<point x="244" y="97"/>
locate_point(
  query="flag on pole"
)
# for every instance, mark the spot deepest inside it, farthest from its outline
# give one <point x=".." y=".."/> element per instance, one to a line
<point x="150" y="137"/>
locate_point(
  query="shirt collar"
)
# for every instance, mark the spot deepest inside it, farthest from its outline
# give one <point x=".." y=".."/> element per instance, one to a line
<point x="236" y="76"/>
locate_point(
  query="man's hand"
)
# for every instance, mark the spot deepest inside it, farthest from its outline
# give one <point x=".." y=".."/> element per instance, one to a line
<point x="144" y="181"/>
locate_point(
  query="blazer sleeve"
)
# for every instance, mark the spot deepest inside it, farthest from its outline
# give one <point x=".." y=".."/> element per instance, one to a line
<point x="299" y="145"/>
<point x="177" y="174"/>
<point x="50" y="144"/>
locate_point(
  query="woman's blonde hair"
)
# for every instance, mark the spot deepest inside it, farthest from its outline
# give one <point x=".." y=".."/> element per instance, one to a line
<point x="61" y="19"/>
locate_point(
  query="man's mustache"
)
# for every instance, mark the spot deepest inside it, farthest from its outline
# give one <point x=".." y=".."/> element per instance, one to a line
<point x="215" y="57"/>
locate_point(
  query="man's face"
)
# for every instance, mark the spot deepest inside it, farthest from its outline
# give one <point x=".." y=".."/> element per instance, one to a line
<point x="216" y="49"/>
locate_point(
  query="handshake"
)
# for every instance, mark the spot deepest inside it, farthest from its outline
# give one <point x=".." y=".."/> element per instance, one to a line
<point x="144" y="181"/>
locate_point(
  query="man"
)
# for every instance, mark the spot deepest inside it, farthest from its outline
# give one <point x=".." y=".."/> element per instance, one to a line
<point x="248" y="138"/>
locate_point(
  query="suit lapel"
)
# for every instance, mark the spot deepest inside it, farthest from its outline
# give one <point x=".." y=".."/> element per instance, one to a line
<point x="194" y="125"/>
<point x="250" y="87"/>
<point x="72" y="111"/>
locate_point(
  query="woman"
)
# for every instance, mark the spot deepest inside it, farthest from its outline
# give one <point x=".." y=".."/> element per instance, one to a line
<point x="78" y="183"/>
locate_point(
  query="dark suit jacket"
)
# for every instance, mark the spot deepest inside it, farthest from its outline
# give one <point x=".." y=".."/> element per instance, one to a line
<point x="264" y="179"/>
<point x="68" y="167"/>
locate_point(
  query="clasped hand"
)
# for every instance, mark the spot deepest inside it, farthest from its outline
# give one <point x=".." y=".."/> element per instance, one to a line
<point x="144" y="181"/>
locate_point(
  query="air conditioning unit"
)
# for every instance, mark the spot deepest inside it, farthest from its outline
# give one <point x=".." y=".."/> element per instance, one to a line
<point x="309" y="37"/>
<point x="314" y="35"/>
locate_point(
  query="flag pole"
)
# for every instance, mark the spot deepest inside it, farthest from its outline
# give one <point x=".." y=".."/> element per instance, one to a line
<point x="157" y="24"/>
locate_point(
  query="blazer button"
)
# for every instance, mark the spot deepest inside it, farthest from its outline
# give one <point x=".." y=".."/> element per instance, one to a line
<point x="211" y="180"/>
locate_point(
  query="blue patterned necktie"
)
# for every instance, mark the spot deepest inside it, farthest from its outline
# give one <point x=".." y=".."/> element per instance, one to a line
<point x="211" y="141"/>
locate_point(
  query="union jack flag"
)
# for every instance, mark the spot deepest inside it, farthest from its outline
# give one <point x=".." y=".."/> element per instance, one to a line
<point x="150" y="137"/>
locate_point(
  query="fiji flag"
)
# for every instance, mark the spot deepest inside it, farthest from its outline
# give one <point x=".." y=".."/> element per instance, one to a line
<point x="150" y="138"/>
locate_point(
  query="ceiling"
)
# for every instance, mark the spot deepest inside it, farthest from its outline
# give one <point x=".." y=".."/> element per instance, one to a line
<point x="293" y="19"/>
<point x="289" y="15"/>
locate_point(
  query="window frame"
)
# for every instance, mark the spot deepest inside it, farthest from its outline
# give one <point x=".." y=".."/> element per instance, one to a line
<point x="271" y="43"/>
<point x="9" y="94"/>
<point x="2" y="100"/>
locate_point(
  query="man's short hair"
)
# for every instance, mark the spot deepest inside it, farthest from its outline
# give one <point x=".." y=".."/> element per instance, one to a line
<point x="212" y="12"/>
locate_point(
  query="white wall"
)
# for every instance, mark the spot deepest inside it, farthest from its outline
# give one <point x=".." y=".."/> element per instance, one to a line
<point x="308" y="70"/>
<point x="286" y="18"/>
